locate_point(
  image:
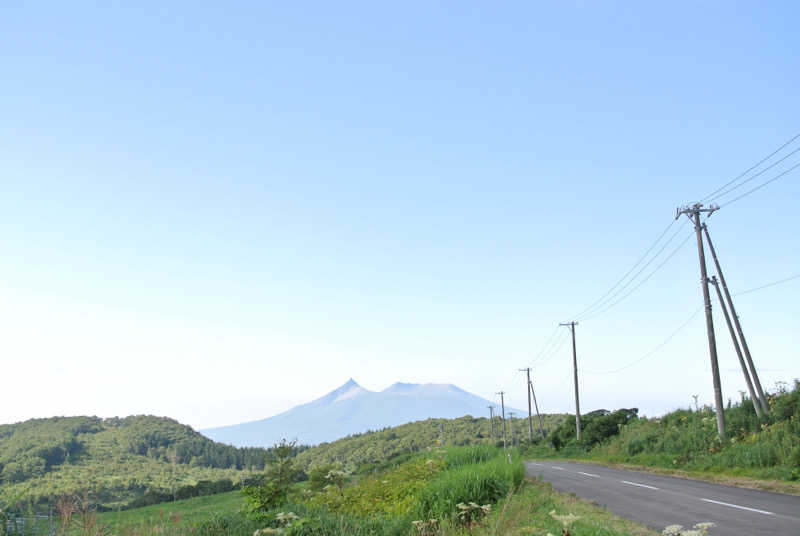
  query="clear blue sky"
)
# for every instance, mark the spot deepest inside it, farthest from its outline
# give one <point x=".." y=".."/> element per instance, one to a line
<point x="217" y="212"/>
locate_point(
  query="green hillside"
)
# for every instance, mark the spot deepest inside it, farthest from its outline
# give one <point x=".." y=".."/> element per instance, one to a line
<point x="116" y="459"/>
<point x="119" y="460"/>
<point x="368" y="451"/>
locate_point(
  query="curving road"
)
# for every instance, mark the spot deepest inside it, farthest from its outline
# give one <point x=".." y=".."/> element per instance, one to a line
<point x="658" y="501"/>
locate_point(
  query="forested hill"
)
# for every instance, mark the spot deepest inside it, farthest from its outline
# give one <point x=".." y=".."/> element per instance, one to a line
<point x="117" y="458"/>
<point x="361" y="452"/>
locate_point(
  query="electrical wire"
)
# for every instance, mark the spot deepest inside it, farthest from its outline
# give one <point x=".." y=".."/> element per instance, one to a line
<point x="547" y="342"/>
<point x="786" y="280"/>
<point x="686" y="323"/>
<point x="729" y="190"/>
<point x="557" y="342"/>
<point x="776" y="151"/>
<point x="621" y="289"/>
<point x="645" y="280"/>
<point x="654" y="350"/>
<point x="636" y="264"/>
<point x="773" y="179"/>
<point x="555" y="350"/>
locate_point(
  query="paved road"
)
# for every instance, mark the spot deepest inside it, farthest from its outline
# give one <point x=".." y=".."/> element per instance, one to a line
<point x="658" y="501"/>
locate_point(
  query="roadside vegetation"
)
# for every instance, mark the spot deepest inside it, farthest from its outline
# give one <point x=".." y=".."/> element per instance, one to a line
<point x="766" y="448"/>
<point x="450" y="491"/>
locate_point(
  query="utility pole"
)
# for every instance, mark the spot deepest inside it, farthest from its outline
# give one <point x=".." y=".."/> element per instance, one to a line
<point x="693" y="213"/>
<point x="511" y="425"/>
<point x="441" y="431"/>
<point x="503" y="408"/>
<point x="696" y="407"/>
<point x="761" y="398"/>
<point x="753" y="397"/>
<point x="538" y="415"/>
<point x="491" y="421"/>
<point x="571" y="326"/>
<point x="530" y="418"/>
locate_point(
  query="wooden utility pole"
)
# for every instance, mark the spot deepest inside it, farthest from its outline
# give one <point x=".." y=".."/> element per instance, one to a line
<point x="693" y="213"/>
<point x="491" y="421"/>
<point x="535" y="405"/>
<point x="571" y="326"/>
<point x="696" y="407"/>
<point x="503" y="408"/>
<point x="761" y="398"/>
<point x="511" y="425"/>
<point x="753" y="397"/>
<point x="530" y="417"/>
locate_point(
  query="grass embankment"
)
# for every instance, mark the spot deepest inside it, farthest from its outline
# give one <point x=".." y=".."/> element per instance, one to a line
<point x="762" y="453"/>
<point x="427" y="487"/>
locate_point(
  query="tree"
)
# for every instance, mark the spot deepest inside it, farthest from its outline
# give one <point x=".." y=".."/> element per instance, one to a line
<point x="281" y="473"/>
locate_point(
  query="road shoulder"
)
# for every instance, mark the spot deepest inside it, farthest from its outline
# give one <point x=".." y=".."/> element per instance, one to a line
<point x="775" y="486"/>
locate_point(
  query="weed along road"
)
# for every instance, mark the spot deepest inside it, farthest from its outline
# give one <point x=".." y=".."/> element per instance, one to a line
<point x="658" y="501"/>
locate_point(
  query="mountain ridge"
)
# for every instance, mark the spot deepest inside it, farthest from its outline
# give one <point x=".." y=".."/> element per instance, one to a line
<point x="352" y="409"/>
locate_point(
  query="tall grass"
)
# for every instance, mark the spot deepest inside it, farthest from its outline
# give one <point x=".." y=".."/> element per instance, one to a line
<point x="483" y="482"/>
<point x="458" y="456"/>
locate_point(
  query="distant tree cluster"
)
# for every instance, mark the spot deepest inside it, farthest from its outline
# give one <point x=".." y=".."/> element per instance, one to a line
<point x="596" y="427"/>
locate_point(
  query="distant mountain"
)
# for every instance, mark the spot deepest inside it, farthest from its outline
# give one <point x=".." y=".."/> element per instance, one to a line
<point x="351" y="409"/>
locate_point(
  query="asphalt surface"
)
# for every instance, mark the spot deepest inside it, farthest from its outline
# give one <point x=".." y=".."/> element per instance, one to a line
<point x="658" y="501"/>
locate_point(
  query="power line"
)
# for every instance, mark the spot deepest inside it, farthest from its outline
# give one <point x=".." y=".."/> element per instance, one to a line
<point x="562" y="339"/>
<point x="773" y="179"/>
<point x="637" y="263"/>
<point x="555" y="342"/>
<point x="621" y="289"/>
<point x="654" y="350"/>
<point x="729" y="190"/>
<point x="776" y="151"/>
<point x="643" y="281"/>
<point x="786" y="280"/>
<point x="547" y="342"/>
<point x="686" y="323"/>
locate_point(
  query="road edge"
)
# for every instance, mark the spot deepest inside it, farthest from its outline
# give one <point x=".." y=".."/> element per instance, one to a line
<point x="775" y="486"/>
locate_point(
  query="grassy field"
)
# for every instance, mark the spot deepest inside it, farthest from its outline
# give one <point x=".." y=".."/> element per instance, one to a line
<point x="183" y="515"/>
<point x="386" y="503"/>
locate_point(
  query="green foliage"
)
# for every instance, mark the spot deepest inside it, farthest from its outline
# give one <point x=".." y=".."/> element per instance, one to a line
<point x="118" y="460"/>
<point x="391" y="493"/>
<point x="374" y="452"/>
<point x="317" y="475"/>
<point x="596" y="427"/>
<point x="481" y="483"/>
<point x="470" y="455"/>
<point x="685" y="439"/>
<point x="281" y="473"/>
